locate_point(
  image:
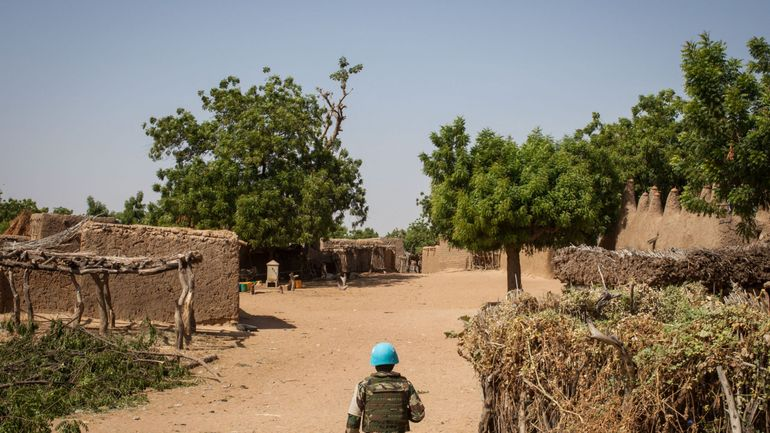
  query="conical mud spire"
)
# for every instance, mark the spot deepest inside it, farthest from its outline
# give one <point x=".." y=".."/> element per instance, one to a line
<point x="673" y="206"/>
<point x="656" y="207"/>
<point x="644" y="202"/>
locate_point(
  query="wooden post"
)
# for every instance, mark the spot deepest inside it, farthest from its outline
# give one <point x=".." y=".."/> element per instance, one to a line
<point x="188" y="311"/>
<point x="27" y="298"/>
<point x="732" y="412"/>
<point x="178" y="315"/>
<point x="108" y="298"/>
<point x="16" y="299"/>
<point x="78" y="301"/>
<point x="104" y="318"/>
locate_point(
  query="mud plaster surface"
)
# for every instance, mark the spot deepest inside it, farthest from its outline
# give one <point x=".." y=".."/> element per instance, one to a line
<point x="136" y="297"/>
<point x="297" y="373"/>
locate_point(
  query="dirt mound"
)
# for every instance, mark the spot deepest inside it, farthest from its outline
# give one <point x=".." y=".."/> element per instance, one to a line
<point x="717" y="269"/>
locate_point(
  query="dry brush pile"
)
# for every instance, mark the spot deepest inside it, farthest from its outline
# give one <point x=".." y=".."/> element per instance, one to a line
<point x="644" y="362"/>
<point x="717" y="269"/>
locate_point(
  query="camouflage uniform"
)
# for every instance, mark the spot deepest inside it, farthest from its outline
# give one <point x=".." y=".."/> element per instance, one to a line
<point x="387" y="402"/>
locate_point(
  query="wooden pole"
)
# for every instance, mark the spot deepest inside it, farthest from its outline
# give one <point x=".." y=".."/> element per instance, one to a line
<point x="178" y="315"/>
<point x="16" y="299"/>
<point x="188" y="312"/>
<point x="104" y="318"/>
<point x="78" y="301"/>
<point x="732" y="412"/>
<point x="27" y="298"/>
<point x="108" y="298"/>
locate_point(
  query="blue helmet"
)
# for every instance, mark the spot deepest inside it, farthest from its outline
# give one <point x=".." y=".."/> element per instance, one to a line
<point x="384" y="353"/>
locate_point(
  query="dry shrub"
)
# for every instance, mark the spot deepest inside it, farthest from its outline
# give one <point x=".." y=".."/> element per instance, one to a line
<point x="537" y="353"/>
<point x="717" y="269"/>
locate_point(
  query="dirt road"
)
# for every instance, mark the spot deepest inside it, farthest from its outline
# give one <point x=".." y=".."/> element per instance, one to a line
<point x="297" y="373"/>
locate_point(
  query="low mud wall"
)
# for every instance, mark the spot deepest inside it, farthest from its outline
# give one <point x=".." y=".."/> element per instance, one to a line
<point x="443" y="257"/>
<point x="138" y="297"/>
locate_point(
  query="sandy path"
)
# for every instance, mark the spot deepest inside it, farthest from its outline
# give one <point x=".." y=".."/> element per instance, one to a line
<point x="298" y="371"/>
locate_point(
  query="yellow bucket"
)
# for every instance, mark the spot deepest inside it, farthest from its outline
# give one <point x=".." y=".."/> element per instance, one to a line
<point x="297" y="284"/>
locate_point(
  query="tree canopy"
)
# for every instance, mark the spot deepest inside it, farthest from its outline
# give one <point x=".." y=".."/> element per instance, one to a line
<point x="417" y="235"/>
<point x="268" y="163"/>
<point x="726" y="133"/>
<point x="719" y="136"/>
<point x="134" y="210"/>
<point x="10" y="208"/>
<point x="498" y="194"/>
<point x="96" y="208"/>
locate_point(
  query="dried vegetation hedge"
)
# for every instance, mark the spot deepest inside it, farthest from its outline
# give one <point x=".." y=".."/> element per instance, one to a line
<point x="717" y="269"/>
<point x="541" y="371"/>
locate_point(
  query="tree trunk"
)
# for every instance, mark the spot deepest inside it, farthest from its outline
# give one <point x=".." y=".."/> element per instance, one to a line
<point x="513" y="267"/>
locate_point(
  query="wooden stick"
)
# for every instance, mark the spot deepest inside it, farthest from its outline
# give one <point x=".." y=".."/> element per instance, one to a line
<point x="104" y="318"/>
<point x="180" y="328"/>
<point x="108" y="298"/>
<point x="27" y="298"/>
<point x="188" y="310"/>
<point x="549" y="397"/>
<point x="16" y="299"/>
<point x="629" y="367"/>
<point x="78" y="301"/>
<point x="522" y="412"/>
<point x="602" y="276"/>
<point x="735" y="420"/>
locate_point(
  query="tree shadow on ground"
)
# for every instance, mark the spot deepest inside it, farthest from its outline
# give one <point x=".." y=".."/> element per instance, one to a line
<point x="263" y="322"/>
<point x="382" y="280"/>
<point x="373" y="279"/>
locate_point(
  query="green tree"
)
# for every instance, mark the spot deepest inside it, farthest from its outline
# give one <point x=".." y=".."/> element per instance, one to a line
<point x="498" y="194"/>
<point x="396" y="233"/>
<point x="268" y="163"/>
<point x="10" y="208"/>
<point x="96" y="208"/>
<point x="62" y="211"/>
<point x="726" y="134"/>
<point x="645" y="147"/>
<point x="134" y="210"/>
<point x="417" y="235"/>
<point x="365" y="233"/>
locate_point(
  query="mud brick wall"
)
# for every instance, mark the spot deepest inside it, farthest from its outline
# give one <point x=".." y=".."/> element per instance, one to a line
<point x="135" y="297"/>
<point x="444" y="257"/>
<point x="49" y="291"/>
<point x="648" y="225"/>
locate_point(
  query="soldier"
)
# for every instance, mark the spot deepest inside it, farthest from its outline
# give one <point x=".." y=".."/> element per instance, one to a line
<point x="385" y="400"/>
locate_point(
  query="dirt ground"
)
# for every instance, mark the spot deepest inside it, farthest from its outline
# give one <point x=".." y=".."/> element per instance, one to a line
<point x="297" y="373"/>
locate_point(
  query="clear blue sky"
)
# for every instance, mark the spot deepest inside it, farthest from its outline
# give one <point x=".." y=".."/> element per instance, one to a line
<point x="77" y="79"/>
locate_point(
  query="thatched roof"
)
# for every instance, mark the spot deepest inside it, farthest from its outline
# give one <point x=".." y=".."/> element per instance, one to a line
<point x="354" y="244"/>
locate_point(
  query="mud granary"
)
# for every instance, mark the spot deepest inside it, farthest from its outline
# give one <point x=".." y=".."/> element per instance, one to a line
<point x="135" y="297"/>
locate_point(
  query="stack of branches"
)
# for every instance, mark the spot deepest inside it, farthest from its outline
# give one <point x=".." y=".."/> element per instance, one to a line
<point x="662" y="360"/>
<point x="718" y="269"/>
<point x="49" y="375"/>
